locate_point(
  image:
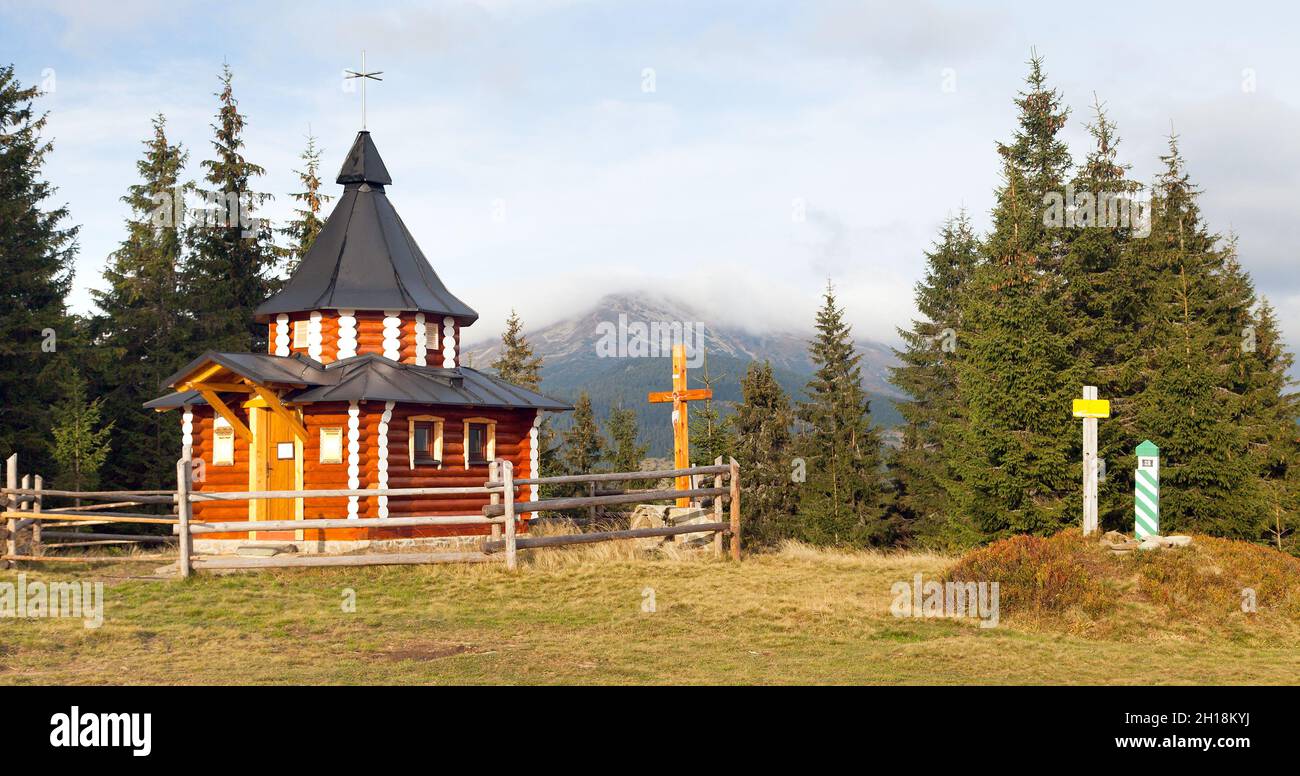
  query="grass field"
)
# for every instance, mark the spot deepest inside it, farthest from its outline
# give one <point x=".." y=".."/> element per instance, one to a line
<point x="576" y="616"/>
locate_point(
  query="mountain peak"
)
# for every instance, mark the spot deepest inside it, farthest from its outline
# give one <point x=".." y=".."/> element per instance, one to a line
<point x="572" y="363"/>
<point x="572" y="341"/>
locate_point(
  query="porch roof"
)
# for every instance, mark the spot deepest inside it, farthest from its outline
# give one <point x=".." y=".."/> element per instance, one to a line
<point x="258" y="367"/>
<point x="367" y="377"/>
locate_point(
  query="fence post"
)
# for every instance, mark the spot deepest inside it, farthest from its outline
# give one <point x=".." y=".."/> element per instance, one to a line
<point x="11" y="505"/>
<point x="508" y="496"/>
<point x="591" y="510"/>
<point x="183" y="510"/>
<point x="717" y="510"/>
<point x="37" y="547"/>
<point x="735" y="510"/>
<point x="24" y="506"/>
<point x="494" y="476"/>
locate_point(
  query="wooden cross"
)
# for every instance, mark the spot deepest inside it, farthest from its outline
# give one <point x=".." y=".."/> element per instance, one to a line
<point x="679" y="396"/>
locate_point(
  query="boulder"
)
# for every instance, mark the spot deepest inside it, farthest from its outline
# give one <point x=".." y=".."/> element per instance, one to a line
<point x="649" y="516"/>
<point x="690" y="516"/>
<point x="1118" y="542"/>
<point x="1165" y="542"/>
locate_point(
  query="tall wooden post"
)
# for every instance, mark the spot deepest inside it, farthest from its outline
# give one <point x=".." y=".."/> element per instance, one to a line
<point x="494" y="477"/>
<point x="183" y="512"/>
<point x="1090" y="408"/>
<point x="25" y="505"/>
<point x="508" y="497"/>
<point x="717" y="509"/>
<point x="11" y="505"/>
<point x="735" y="510"/>
<point x="1089" y="466"/>
<point x="37" y="547"/>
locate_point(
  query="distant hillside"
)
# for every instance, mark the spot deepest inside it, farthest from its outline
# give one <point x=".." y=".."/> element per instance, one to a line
<point x="572" y="363"/>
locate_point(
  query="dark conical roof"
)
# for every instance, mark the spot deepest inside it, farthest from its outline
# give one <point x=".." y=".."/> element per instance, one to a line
<point x="363" y="164"/>
<point x="364" y="257"/>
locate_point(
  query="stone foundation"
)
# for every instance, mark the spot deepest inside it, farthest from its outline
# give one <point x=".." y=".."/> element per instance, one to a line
<point x="338" y="547"/>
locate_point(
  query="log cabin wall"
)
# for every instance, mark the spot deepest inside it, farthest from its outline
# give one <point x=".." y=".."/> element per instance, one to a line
<point x="371" y="329"/>
<point x="320" y="476"/>
<point x="225" y="478"/>
<point x="512" y="442"/>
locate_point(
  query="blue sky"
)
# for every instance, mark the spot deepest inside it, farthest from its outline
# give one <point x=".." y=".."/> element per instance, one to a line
<point x="537" y="170"/>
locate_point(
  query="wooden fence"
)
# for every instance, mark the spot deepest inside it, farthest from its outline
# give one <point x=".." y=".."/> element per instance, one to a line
<point x="24" y="507"/>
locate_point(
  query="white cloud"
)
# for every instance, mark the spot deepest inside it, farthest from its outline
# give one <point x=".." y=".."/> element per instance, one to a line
<point x="538" y="107"/>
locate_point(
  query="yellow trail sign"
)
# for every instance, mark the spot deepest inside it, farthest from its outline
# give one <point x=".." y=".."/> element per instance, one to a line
<point x="1092" y="408"/>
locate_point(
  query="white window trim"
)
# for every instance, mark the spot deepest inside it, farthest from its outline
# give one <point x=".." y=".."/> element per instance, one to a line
<point x="437" y="437"/>
<point x="301" y="333"/>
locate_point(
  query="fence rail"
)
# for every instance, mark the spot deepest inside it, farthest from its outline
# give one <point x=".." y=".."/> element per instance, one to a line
<point x="605" y="536"/>
<point x="23" y="507"/>
<point x="337" y="522"/>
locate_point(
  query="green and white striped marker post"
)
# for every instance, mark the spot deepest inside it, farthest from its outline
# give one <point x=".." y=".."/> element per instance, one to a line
<point x="1146" y="491"/>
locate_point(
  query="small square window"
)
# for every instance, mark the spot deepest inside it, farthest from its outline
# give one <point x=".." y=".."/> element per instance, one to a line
<point x="476" y="443"/>
<point x="284" y="451"/>
<point x="331" y="445"/>
<point x="424" y="447"/>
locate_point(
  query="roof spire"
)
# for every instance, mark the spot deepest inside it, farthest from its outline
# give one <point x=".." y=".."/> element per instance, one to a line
<point x="363" y="164"/>
<point x="364" y="257"/>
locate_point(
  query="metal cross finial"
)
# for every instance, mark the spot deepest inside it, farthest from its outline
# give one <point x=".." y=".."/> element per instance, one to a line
<point x="363" y="75"/>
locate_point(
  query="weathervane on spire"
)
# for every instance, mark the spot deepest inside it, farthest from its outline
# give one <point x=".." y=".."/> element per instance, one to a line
<point x="363" y="75"/>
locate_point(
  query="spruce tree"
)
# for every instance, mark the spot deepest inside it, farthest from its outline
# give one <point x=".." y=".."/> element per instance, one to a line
<point x="303" y="228"/>
<point x="142" y="321"/>
<point x="228" y="268"/>
<point x="583" y="445"/>
<point x="709" y="432"/>
<point x="1188" y="407"/>
<point x="37" y="249"/>
<point x="1273" y="409"/>
<point x="1015" y="458"/>
<point x="517" y="365"/>
<point x="927" y="373"/>
<point x="765" y="449"/>
<point x="1107" y="283"/>
<point x="625" y="454"/>
<point x="843" y="500"/>
<point x="79" y="440"/>
<point x="1266" y="408"/>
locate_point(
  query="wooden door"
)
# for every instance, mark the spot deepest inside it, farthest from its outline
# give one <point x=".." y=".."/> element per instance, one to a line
<point x="280" y="462"/>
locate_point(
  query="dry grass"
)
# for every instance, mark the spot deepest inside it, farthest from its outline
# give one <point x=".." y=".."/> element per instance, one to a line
<point x="575" y="615"/>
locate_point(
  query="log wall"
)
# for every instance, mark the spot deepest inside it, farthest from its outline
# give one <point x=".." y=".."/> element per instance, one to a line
<point x="370" y="336"/>
<point x="219" y="478"/>
<point x="512" y="443"/>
